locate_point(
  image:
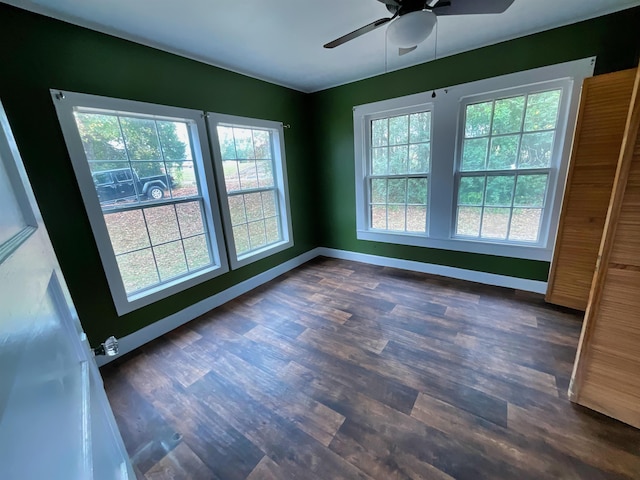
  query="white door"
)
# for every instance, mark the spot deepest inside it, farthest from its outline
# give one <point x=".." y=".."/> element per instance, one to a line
<point x="55" y="420"/>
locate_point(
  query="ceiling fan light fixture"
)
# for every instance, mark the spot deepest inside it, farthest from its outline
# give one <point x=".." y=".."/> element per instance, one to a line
<point x="411" y="28"/>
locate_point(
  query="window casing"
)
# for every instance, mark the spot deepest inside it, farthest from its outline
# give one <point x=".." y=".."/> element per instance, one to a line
<point x="146" y="178"/>
<point x="505" y="202"/>
<point x="252" y="181"/>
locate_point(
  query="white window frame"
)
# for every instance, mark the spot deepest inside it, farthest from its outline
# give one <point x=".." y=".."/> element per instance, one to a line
<point x="64" y="103"/>
<point x="447" y="120"/>
<point x="280" y="181"/>
<point x="401" y="111"/>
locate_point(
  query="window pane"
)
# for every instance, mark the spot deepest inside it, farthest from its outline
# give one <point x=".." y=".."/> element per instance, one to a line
<point x="525" y="224"/>
<point x="416" y="218"/>
<point x="241" y="238"/>
<point x="471" y="191"/>
<point x="262" y="144"/>
<point x="190" y="218"/>
<point x="542" y="111"/>
<point x="150" y="180"/>
<point x="530" y="190"/>
<point x="507" y="115"/>
<point x="399" y="130"/>
<point x="419" y="158"/>
<point x="170" y="260"/>
<point x="398" y="160"/>
<point x="495" y="222"/>
<point x="468" y="222"/>
<point x="474" y="154"/>
<point x="396" y="217"/>
<point x="236" y="207"/>
<point x="478" y="120"/>
<point x="253" y="206"/>
<point x="248" y="174"/>
<point x="420" y="127"/>
<point x="138" y="270"/>
<point x="379" y="217"/>
<point x="504" y="152"/>
<point x="101" y="137"/>
<point x="378" y="190"/>
<point x="380" y="160"/>
<point x="499" y="190"/>
<point x="182" y="179"/>
<point x="141" y="138"/>
<point x="197" y="252"/>
<point x="244" y="143"/>
<point x="397" y="191"/>
<point x="379" y="133"/>
<point x="257" y="235"/>
<point x="127" y="231"/>
<point x="162" y="224"/>
<point x="273" y="230"/>
<point x="231" y="175"/>
<point x="536" y="150"/>
<point x="269" y="203"/>
<point x="265" y="173"/>
<point x="174" y="140"/>
<point x="417" y="191"/>
<point x="227" y="145"/>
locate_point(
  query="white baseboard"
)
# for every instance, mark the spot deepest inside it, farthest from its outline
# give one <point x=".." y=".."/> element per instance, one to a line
<point x="453" y="272"/>
<point x="159" y="328"/>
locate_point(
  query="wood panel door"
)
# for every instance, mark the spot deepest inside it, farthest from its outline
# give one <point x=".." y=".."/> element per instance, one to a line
<point x="596" y="148"/>
<point x="606" y="375"/>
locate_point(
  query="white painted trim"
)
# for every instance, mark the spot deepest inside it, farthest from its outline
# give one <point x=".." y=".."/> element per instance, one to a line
<point x="535" y="286"/>
<point x="159" y="328"/>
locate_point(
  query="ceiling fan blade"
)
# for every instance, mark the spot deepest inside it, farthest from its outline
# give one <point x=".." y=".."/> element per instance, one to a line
<point x="404" y="51"/>
<point x="471" y="7"/>
<point x="356" y="33"/>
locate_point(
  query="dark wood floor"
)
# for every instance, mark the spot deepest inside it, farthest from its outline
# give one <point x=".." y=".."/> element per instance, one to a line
<point x="340" y="370"/>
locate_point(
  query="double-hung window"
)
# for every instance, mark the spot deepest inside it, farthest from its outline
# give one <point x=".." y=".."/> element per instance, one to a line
<point x="505" y="167"/>
<point x="398" y="171"/>
<point x="146" y="177"/>
<point x="251" y="173"/>
<point x="477" y="167"/>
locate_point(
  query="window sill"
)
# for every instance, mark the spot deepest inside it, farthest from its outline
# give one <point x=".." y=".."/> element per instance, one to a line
<point x="256" y="255"/>
<point x="460" y="245"/>
<point x="146" y="297"/>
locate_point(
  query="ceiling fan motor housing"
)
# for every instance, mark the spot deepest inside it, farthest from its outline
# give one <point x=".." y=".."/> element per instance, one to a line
<point x="411" y="29"/>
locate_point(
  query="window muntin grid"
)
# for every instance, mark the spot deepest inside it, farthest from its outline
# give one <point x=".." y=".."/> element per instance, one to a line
<point x="248" y="157"/>
<point x="156" y="238"/>
<point x="504" y="167"/>
<point x="398" y="172"/>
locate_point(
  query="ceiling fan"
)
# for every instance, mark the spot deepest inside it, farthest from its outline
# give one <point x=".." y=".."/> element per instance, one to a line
<point x="413" y="20"/>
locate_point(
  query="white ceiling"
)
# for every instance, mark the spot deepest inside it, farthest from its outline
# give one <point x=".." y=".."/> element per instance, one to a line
<point x="281" y="40"/>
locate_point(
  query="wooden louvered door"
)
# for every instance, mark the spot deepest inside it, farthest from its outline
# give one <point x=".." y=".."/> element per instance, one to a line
<point x="596" y="147"/>
<point x="606" y="375"/>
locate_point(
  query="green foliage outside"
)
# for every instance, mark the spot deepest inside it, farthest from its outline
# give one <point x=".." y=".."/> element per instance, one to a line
<point x="111" y="141"/>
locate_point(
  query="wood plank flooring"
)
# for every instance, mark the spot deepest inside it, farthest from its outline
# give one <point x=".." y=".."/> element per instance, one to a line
<point x="341" y="370"/>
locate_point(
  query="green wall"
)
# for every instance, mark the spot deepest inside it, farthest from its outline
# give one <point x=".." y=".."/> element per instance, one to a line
<point x="38" y="53"/>
<point x="613" y="39"/>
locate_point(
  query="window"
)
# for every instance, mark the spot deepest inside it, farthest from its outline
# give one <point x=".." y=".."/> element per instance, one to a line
<point x="398" y="174"/>
<point x="147" y="183"/>
<point x="468" y="170"/>
<point x="251" y="173"/>
<point x="505" y="166"/>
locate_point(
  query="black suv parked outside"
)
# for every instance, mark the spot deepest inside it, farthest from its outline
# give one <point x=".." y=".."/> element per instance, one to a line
<point x="121" y="183"/>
